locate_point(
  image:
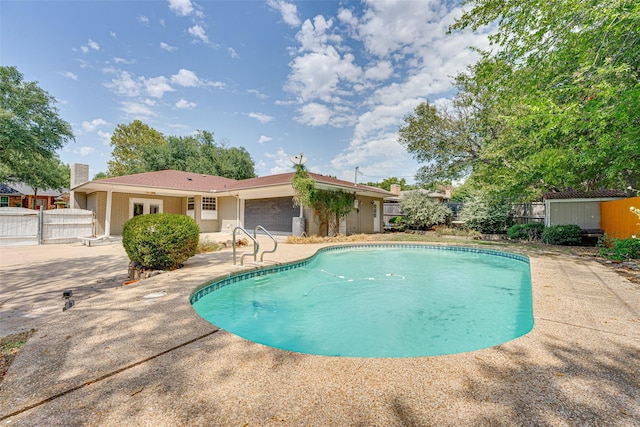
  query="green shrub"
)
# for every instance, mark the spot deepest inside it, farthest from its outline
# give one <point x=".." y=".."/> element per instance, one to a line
<point x="422" y="212"/>
<point x="529" y="232"/>
<point x="160" y="241"/>
<point x="619" y="249"/>
<point x="562" y="234"/>
<point x="396" y="223"/>
<point x="395" y="220"/>
<point x="485" y="213"/>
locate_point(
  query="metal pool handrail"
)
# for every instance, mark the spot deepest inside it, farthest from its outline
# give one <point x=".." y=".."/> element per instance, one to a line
<point x="256" y="246"/>
<point x="275" y="242"/>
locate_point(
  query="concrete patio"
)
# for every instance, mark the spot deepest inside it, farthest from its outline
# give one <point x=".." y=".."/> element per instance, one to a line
<point x="118" y="358"/>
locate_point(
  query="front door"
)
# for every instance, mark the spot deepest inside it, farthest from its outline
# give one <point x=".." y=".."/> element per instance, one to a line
<point x="376" y="216"/>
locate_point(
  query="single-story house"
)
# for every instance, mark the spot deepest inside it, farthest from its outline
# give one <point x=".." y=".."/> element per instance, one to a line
<point x="10" y="197"/>
<point x="21" y="195"/>
<point x="577" y="207"/>
<point x="219" y="204"/>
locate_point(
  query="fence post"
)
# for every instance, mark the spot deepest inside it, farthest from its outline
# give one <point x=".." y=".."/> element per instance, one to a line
<point x="40" y="225"/>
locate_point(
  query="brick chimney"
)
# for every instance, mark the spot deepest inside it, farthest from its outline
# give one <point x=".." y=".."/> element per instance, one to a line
<point x="395" y="189"/>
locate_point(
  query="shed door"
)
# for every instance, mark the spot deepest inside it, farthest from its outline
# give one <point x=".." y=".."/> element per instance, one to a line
<point x="276" y="215"/>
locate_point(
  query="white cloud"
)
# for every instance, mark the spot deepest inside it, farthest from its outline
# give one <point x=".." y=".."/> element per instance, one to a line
<point x="232" y="53"/>
<point x="181" y="7"/>
<point x="188" y="78"/>
<point x="264" y="139"/>
<point x="183" y="104"/>
<point x="113" y="34"/>
<point x="280" y="161"/>
<point x="137" y="110"/>
<point x="69" y="75"/>
<point x="258" y="94"/>
<point x="346" y="16"/>
<point x="380" y="71"/>
<point x="289" y="11"/>
<point x="105" y="137"/>
<point x="93" y="124"/>
<point x="143" y="20"/>
<point x="118" y="60"/>
<point x="157" y="86"/>
<point x="314" y="114"/>
<point x="168" y="47"/>
<point x="85" y="150"/>
<point x="314" y="36"/>
<point x="124" y="85"/>
<point x="199" y="33"/>
<point x="91" y="45"/>
<point x="319" y="75"/>
<point x="262" y="118"/>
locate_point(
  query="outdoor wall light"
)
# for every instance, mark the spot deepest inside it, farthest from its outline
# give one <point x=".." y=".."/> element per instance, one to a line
<point x="67" y="294"/>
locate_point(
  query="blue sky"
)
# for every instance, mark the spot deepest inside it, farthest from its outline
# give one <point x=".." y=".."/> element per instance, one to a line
<point x="331" y="79"/>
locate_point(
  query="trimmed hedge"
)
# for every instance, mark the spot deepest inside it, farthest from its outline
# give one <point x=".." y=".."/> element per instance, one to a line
<point x="562" y="235"/>
<point x="529" y="232"/>
<point x="160" y="241"/>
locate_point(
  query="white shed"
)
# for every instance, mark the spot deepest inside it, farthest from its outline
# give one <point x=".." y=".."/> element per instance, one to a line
<point x="576" y="207"/>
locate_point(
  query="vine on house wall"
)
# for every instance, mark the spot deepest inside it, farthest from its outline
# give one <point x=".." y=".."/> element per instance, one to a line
<point x="303" y="186"/>
<point x="329" y="206"/>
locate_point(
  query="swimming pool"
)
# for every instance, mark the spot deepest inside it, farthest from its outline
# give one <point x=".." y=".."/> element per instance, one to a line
<point x="382" y="300"/>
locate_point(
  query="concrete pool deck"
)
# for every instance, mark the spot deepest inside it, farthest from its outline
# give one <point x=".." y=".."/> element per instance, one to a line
<point x="118" y="358"/>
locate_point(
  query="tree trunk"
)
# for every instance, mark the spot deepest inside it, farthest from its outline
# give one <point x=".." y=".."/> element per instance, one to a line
<point x="35" y="199"/>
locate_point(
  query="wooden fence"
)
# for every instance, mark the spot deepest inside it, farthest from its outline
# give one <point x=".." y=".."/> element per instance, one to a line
<point x="20" y="226"/>
<point x="525" y="213"/>
<point x="617" y="220"/>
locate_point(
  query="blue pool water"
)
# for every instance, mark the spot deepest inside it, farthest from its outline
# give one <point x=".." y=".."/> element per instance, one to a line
<point x="378" y="301"/>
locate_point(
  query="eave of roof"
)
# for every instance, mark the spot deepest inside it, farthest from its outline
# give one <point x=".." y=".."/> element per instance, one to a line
<point x="6" y="190"/>
<point x="572" y="194"/>
<point x="192" y="182"/>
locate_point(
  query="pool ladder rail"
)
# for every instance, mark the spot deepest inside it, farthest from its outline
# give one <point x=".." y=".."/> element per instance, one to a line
<point x="256" y="245"/>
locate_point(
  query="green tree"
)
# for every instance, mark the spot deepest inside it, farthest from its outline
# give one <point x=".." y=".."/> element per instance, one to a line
<point x="568" y="92"/>
<point x="193" y="153"/>
<point x="130" y="144"/>
<point x="422" y="212"/>
<point x="42" y="173"/>
<point x="30" y="126"/>
<point x="388" y="182"/>
<point x="485" y="212"/>
<point x="442" y="139"/>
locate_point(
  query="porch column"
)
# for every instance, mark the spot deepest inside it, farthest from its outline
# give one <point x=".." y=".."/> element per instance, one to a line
<point x="107" y="219"/>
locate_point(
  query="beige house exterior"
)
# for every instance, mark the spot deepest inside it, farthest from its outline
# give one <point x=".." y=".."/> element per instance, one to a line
<point x="219" y="204"/>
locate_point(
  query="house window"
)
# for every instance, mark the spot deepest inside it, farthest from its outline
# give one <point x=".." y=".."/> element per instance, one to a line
<point x="144" y="206"/>
<point x="209" y="208"/>
<point x="4" y="201"/>
<point x="191" y="205"/>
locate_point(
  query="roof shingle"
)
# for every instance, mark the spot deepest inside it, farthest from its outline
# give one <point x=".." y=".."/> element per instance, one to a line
<point x="178" y="180"/>
<point x="573" y="194"/>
